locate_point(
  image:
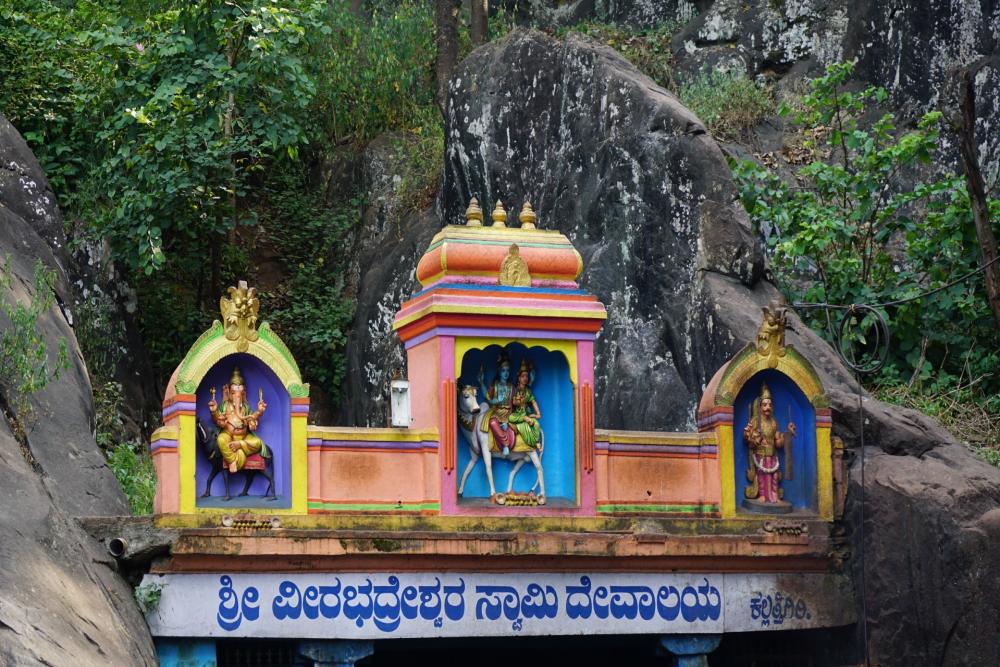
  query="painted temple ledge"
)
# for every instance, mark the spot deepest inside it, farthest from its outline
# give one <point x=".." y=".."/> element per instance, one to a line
<point x="500" y="342"/>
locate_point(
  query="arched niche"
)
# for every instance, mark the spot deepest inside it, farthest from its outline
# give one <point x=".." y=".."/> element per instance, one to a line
<point x="553" y="388"/>
<point x="790" y="404"/>
<point x="274" y="429"/>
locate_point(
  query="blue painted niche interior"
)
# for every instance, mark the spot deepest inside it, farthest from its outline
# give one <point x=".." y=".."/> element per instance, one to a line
<point x="800" y="491"/>
<point x="553" y="391"/>
<point x="274" y="429"/>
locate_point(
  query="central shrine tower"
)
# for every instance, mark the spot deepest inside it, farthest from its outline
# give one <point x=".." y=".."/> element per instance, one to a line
<point x="493" y="296"/>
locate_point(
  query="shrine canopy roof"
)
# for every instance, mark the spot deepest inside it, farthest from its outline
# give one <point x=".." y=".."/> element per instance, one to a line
<point x="519" y="273"/>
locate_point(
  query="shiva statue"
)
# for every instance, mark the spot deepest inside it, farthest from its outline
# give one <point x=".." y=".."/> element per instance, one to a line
<point x="236" y="439"/>
<point x="764" y="492"/>
<point x="499" y="395"/>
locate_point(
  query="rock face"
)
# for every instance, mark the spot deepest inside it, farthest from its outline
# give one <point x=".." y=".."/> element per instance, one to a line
<point x="631" y="177"/>
<point x="629" y="174"/>
<point x="387" y="248"/>
<point x="638" y="14"/>
<point x="932" y="567"/>
<point x="60" y="600"/>
<point x="911" y="49"/>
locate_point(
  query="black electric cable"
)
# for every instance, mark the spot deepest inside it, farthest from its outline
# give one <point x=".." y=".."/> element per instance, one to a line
<point x="833" y="306"/>
<point x="878" y="347"/>
<point x="878" y="354"/>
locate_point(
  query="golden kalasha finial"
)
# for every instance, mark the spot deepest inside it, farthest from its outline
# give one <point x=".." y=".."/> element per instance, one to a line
<point x="239" y="315"/>
<point x="474" y="214"/>
<point x="499" y="215"/>
<point x="527" y="216"/>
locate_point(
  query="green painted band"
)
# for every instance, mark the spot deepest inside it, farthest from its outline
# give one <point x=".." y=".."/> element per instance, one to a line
<point x="672" y="509"/>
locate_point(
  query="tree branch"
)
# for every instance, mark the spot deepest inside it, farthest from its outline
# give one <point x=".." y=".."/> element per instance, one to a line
<point x="976" y="187"/>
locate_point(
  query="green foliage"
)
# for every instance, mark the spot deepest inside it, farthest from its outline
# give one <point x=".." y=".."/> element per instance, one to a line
<point x="380" y="75"/>
<point x="419" y="156"/>
<point x="176" y="303"/>
<point x="24" y="360"/>
<point x="205" y="95"/>
<point x="147" y="596"/>
<point x="649" y="50"/>
<point x="850" y="229"/>
<point x="133" y="468"/>
<point x="162" y="126"/>
<point x="311" y="309"/>
<point x="50" y="82"/>
<point x="971" y="415"/>
<point x="729" y="103"/>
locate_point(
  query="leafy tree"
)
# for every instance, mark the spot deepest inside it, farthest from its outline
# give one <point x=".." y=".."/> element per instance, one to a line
<point x="206" y="95"/>
<point x="858" y="225"/>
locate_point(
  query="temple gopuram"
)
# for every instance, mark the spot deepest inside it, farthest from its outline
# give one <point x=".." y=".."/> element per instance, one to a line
<point x="493" y="507"/>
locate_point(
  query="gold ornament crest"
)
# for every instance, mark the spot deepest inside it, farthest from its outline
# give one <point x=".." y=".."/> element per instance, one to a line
<point x="771" y="335"/>
<point x="514" y="270"/>
<point x="239" y="315"/>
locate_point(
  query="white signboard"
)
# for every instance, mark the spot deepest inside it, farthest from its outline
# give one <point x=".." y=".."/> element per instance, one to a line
<point x="471" y="604"/>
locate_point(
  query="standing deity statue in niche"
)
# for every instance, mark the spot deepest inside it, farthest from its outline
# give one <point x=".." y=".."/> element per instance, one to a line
<point x="764" y="439"/>
<point x="236" y="422"/>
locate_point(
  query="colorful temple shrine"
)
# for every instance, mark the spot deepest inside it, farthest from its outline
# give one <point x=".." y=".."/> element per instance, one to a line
<point x="494" y="508"/>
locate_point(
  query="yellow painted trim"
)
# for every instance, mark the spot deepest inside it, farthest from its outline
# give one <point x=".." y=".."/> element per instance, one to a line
<point x="186" y="462"/>
<point x="426" y="282"/>
<point x="654" y="438"/>
<point x="300" y="467"/>
<point x="566" y="347"/>
<point x="371" y="434"/>
<point x="221" y="347"/>
<point x="749" y="364"/>
<point x="164" y="433"/>
<point x="498" y="233"/>
<point x="727" y="471"/>
<point x="824" y="473"/>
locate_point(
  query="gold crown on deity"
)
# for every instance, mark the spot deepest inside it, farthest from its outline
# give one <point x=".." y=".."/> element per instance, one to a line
<point x="764" y="392"/>
<point x="237" y="377"/>
<point x="525" y="366"/>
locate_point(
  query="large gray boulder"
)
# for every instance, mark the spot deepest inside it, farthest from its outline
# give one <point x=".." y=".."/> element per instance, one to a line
<point x="632" y="178"/>
<point x="60" y="600"/>
<point x="630" y="175"/>
<point x="931" y="562"/>
<point x="386" y="248"/>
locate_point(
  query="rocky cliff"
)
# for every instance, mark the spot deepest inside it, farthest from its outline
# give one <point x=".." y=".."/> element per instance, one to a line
<point x="60" y="600"/>
<point x="632" y="177"/>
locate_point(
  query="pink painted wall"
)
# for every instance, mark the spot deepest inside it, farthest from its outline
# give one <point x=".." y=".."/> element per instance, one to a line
<point x="315" y="491"/>
<point x="376" y="476"/>
<point x="423" y="369"/>
<point x="167" y="497"/>
<point x="654" y="480"/>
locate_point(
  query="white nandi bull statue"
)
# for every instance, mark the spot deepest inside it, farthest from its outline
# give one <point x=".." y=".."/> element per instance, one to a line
<point x="470" y="422"/>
